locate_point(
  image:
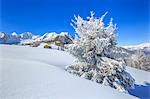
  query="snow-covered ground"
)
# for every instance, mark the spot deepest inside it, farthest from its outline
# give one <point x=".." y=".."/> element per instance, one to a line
<point x="37" y="73"/>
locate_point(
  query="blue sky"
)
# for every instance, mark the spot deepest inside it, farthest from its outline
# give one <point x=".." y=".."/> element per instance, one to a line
<point x="40" y="16"/>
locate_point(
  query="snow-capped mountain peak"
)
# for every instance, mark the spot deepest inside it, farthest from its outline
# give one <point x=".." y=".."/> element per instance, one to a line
<point x="2" y="34"/>
<point x="138" y="47"/>
<point x="14" y="34"/>
<point x="26" y="35"/>
<point x="64" y="33"/>
<point x="14" y="38"/>
<point x="144" y="47"/>
<point x="49" y="36"/>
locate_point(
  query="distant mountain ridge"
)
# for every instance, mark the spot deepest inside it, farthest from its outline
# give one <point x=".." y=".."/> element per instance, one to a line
<point x="144" y="47"/>
<point x="14" y="38"/>
<point x="27" y="38"/>
<point x="138" y="46"/>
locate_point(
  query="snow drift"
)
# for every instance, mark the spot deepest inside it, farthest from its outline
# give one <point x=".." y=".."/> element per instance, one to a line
<point x="36" y="73"/>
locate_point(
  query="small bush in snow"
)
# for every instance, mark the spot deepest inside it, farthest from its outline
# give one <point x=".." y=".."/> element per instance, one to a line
<point x="90" y="50"/>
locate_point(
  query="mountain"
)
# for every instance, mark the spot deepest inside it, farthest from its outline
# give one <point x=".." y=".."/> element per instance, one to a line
<point x="14" y="38"/>
<point x="138" y="46"/>
<point x="63" y="36"/>
<point x="8" y="38"/>
<point x="48" y="36"/>
<point x="14" y="34"/>
<point x="27" y="38"/>
<point x="144" y="47"/>
<point x="50" y="40"/>
<point x="2" y="34"/>
<point x="26" y="35"/>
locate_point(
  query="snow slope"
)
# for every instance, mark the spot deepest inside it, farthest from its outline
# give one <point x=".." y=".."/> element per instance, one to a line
<point x="36" y="73"/>
<point x="144" y="47"/>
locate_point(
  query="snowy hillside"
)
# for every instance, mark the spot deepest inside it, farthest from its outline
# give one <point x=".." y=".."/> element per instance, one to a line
<point x="145" y="47"/>
<point x="36" y="73"/>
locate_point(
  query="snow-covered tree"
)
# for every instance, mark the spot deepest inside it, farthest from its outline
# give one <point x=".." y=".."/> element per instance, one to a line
<point x="91" y="48"/>
<point x="139" y="60"/>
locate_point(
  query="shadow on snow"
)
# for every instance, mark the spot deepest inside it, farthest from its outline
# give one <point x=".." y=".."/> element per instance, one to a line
<point x="141" y="91"/>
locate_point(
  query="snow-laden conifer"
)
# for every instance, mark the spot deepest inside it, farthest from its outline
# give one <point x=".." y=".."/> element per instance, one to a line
<point x="95" y="53"/>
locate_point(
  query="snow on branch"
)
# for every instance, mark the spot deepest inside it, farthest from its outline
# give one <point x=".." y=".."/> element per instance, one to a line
<point x="96" y="53"/>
